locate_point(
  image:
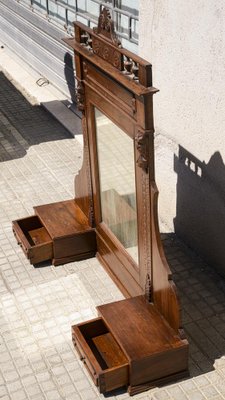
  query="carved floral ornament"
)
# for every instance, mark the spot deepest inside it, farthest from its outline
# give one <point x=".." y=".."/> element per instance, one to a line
<point x="107" y="53"/>
<point x="80" y="96"/>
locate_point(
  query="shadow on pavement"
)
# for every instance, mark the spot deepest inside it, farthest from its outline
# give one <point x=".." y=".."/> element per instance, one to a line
<point x="23" y="124"/>
<point x="200" y="213"/>
<point x="202" y="296"/>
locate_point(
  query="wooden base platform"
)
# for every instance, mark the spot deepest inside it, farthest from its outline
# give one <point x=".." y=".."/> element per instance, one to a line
<point x="58" y="231"/>
<point x="131" y="332"/>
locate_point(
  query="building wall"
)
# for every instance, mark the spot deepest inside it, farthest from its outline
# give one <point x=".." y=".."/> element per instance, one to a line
<point x="38" y="42"/>
<point x="184" y="40"/>
<point x="34" y="29"/>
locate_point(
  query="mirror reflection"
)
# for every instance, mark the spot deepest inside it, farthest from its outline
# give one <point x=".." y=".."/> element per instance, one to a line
<point x="117" y="182"/>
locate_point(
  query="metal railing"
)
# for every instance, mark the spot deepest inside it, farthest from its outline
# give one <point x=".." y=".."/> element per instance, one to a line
<point x="64" y="12"/>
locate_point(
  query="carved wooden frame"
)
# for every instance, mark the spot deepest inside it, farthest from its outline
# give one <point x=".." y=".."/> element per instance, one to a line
<point x="119" y="83"/>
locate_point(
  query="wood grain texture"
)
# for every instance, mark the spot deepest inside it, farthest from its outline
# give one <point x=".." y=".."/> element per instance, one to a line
<point x="62" y="218"/>
<point x="109" y="350"/>
<point x="164" y="292"/>
<point x="153" y="345"/>
<point x="76" y="244"/>
<point x="73" y="239"/>
<point x="39" y="235"/>
<point x="110" y="89"/>
<point x="150" y="331"/>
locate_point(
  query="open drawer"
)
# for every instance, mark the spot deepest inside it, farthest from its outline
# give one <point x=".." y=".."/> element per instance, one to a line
<point x="102" y="355"/>
<point x="34" y="239"/>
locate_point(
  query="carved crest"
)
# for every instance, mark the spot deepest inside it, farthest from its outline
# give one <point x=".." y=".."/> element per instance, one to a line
<point x="106" y="49"/>
<point x="142" y="145"/>
<point x="106" y="27"/>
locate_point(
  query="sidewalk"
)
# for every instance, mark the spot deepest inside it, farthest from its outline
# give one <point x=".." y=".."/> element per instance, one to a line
<point x="38" y="161"/>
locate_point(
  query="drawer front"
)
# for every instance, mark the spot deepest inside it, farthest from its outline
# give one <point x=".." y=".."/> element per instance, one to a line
<point x="85" y="359"/>
<point x="24" y="231"/>
<point x="106" y="378"/>
<point x="113" y="378"/>
<point x="77" y="244"/>
<point x="40" y="253"/>
<point x="21" y="240"/>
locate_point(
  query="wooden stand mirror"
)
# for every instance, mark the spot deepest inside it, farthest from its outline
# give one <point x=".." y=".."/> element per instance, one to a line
<point x="137" y="342"/>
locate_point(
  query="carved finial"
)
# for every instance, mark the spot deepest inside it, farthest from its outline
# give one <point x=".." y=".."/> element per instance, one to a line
<point x="106" y="27"/>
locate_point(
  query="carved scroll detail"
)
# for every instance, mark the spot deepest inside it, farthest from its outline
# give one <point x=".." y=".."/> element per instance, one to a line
<point x="108" y="53"/>
<point x="106" y="27"/>
<point x="142" y="144"/>
<point x="80" y="96"/>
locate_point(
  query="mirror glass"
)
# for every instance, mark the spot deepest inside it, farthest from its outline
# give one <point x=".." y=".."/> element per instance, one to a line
<point x="117" y="182"/>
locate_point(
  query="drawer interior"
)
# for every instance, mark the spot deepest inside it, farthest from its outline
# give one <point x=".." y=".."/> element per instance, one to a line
<point x="34" y="231"/>
<point x="102" y="344"/>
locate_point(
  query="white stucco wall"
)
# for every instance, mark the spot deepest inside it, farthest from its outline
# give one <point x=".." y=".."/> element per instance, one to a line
<point x="185" y="42"/>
